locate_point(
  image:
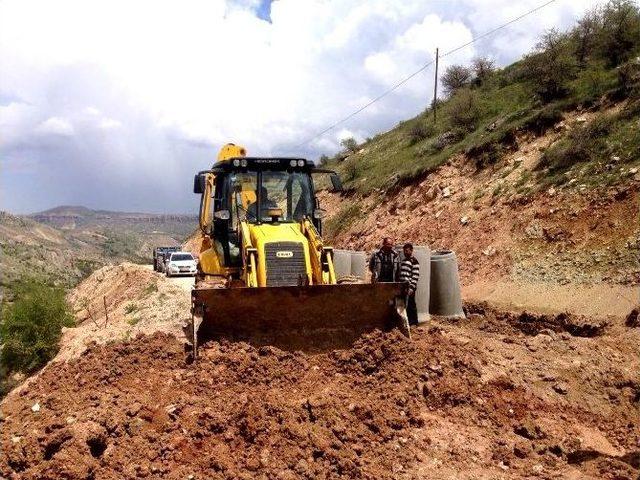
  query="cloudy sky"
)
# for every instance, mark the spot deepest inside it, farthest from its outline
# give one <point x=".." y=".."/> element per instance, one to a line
<point x="115" y="104"/>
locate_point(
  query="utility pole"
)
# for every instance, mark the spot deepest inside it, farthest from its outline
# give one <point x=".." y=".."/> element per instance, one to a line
<point x="435" y="88"/>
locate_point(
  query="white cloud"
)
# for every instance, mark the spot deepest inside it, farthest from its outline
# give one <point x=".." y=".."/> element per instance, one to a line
<point x="56" y="126"/>
<point x="158" y="84"/>
<point x="109" y="123"/>
<point x="382" y="66"/>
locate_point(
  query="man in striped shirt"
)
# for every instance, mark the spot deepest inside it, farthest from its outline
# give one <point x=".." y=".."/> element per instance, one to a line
<point x="410" y="273"/>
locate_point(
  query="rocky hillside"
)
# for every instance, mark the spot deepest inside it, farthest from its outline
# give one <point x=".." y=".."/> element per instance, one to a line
<point x="531" y="172"/>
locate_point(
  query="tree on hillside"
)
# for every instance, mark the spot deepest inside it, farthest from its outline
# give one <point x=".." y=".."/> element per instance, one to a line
<point x="584" y="35"/>
<point x="482" y="67"/>
<point x="619" y="36"/>
<point x="463" y="109"/>
<point x="551" y="67"/>
<point x="349" y="144"/>
<point x="455" y="77"/>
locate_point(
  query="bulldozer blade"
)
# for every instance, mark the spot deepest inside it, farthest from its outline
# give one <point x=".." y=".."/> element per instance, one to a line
<point x="311" y="318"/>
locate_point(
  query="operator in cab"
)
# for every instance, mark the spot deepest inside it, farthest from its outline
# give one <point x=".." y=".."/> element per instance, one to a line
<point x="265" y="204"/>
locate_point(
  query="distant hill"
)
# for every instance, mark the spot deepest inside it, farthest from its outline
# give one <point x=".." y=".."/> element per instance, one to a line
<point x="65" y="244"/>
<point x="71" y="217"/>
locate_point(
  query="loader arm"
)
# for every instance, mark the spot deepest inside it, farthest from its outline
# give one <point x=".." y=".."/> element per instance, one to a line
<point x="321" y="256"/>
<point x="249" y="254"/>
<point x="205" y="203"/>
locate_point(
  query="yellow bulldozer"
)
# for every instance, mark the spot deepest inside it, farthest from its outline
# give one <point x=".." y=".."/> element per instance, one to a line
<point x="264" y="274"/>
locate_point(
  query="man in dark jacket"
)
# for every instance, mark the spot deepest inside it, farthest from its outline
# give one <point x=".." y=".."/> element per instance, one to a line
<point x="385" y="263"/>
<point x="410" y="274"/>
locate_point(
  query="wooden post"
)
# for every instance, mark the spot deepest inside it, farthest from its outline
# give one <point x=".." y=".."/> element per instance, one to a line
<point x="106" y="314"/>
<point x="91" y="316"/>
<point x="435" y="87"/>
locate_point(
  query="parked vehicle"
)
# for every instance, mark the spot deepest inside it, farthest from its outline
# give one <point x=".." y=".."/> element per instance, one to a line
<point x="180" y="263"/>
<point x="159" y="256"/>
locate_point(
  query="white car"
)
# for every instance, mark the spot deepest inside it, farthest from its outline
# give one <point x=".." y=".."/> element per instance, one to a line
<point x="180" y="263"/>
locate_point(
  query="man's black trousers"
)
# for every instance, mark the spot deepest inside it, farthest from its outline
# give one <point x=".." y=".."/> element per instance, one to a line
<point x="412" y="309"/>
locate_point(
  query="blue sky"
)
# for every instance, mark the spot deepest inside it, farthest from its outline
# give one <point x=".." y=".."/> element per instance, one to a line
<point x="264" y="10"/>
<point x="115" y="104"/>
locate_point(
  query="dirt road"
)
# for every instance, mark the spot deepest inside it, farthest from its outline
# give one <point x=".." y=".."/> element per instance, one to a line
<point x="184" y="282"/>
<point x="499" y="395"/>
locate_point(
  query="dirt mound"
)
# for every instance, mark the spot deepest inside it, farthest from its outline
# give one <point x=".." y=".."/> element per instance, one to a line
<point x="435" y="407"/>
<point x="118" y="302"/>
<point x="534" y="323"/>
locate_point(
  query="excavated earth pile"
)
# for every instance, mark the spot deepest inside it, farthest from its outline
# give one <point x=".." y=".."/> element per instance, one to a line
<point x="465" y="400"/>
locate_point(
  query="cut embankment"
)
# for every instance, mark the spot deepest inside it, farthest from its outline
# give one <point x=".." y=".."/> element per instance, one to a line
<point x="119" y="302"/>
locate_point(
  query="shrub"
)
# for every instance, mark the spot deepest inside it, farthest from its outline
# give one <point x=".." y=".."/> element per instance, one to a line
<point x="323" y="160"/>
<point x="449" y="138"/>
<point x="463" y="109"/>
<point x="580" y="146"/>
<point x="592" y="83"/>
<point x="628" y="79"/>
<point x="31" y="326"/>
<point x="86" y="267"/>
<point x="130" y="308"/>
<point x="455" y="77"/>
<point x="419" y="131"/>
<point x="542" y="120"/>
<point x="349" y="144"/>
<point x="350" y="170"/>
<point x="149" y="289"/>
<point x="490" y="150"/>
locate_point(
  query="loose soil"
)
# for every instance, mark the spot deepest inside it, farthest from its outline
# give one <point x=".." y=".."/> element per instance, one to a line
<point x="501" y="395"/>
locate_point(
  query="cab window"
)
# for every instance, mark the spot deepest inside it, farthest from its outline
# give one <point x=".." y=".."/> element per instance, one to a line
<point x="289" y="192"/>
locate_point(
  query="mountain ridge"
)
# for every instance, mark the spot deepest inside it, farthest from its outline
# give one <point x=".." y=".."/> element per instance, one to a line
<point x="82" y="211"/>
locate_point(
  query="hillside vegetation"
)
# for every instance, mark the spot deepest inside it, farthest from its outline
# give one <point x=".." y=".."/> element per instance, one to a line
<point x="30" y="329"/>
<point x="531" y="172"/>
<point x="487" y="110"/>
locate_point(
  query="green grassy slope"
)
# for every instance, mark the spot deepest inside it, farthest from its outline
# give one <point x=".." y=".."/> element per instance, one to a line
<point x="484" y="118"/>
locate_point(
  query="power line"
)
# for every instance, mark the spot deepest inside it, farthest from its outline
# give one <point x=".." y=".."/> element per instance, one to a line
<point x="421" y="69"/>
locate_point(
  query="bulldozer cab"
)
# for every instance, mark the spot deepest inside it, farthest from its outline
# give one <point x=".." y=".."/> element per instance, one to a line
<point x="259" y="191"/>
<point x="269" y="196"/>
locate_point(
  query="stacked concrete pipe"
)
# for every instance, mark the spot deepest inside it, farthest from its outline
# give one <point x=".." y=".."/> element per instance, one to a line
<point x="423" y="292"/>
<point x="342" y="263"/>
<point x="445" y="298"/>
<point x="359" y="265"/>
